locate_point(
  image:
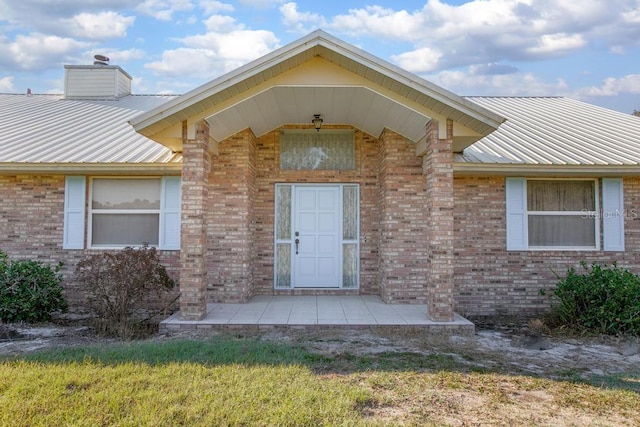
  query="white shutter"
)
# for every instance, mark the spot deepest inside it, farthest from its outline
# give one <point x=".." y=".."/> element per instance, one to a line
<point x="612" y="214"/>
<point x="74" y="211"/>
<point x="517" y="227"/>
<point x="170" y="213"/>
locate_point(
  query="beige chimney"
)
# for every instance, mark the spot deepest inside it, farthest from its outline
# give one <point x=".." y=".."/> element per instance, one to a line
<point x="98" y="81"/>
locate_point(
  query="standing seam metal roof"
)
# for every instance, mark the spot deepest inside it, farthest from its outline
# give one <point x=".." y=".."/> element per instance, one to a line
<point x="51" y="129"/>
<point x="538" y="131"/>
<point x="556" y="131"/>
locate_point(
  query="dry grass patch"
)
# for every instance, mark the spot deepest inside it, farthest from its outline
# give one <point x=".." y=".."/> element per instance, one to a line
<point x="250" y="381"/>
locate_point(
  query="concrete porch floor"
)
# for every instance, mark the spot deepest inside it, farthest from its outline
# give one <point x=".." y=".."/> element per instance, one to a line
<point x="350" y="312"/>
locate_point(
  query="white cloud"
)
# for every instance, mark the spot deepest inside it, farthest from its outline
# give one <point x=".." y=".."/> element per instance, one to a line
<point x="38" y="51"/>
<point x="216" y="52"/>
<point x="99" y="26"/>
<point x="490" y="31"/>
<point x="514" y="84"/>
<point x="118" y="57"/>
<point x="614" y="86"/>
<point x="377" y="21"/>
<point x="555" y="44"/>
<point x="220" y="23"/>
<point x="6" y="84"/>
<point x="213" y="6"/>
<point x="421" y="60"/>
<point x="301" y="22"/>
<point x="235" y="47"/>
<point x="186" y="61"/>
<point x="261" y="4"/>
<point x="163" y="10"/>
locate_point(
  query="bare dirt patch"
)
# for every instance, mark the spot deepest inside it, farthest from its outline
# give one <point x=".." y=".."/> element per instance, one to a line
<point x="506" y="350"/>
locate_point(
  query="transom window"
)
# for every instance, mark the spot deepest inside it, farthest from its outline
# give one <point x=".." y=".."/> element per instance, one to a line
<point x="311" y="150"/>
<point x="125" y="211"/>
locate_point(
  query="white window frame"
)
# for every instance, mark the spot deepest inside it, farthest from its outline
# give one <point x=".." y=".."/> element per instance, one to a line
<point x="517" y="215"/>
<point x="159" y="212"/>
<point x="581" y="213"/>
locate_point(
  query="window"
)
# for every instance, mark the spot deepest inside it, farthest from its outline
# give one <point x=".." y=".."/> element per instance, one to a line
<point x="123" y="212"/>
<point x="564" y="214"/>
<point x="561" y="213"/>
<point x="312" y="150"/>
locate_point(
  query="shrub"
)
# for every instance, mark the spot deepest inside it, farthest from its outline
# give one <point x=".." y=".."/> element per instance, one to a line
<point x="605" y="299"/>
<point x="118" y="282"/>
<point x="29" y="290"/>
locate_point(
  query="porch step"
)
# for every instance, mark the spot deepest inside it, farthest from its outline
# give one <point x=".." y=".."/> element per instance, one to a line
<point x="319" y="312"/>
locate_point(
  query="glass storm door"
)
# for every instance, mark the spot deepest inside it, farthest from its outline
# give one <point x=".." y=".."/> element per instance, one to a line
<point x="316" y="236"/>
<point x="317" y="227"/>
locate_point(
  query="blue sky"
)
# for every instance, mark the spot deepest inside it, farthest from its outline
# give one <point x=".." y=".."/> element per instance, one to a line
<point x="586" y="49"/>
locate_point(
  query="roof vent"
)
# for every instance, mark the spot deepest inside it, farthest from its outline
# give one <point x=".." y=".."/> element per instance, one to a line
<point x="100" y="60"/>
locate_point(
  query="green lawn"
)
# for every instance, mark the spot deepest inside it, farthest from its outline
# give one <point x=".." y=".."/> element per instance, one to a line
<point x="246" y="381"/>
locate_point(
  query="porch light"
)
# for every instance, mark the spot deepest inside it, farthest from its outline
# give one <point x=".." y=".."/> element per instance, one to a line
<point x="317" y="121"/>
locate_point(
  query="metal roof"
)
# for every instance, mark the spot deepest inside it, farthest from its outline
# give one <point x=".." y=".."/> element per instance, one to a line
<point x="49" y="129"/>
<point x="555" y="131"/>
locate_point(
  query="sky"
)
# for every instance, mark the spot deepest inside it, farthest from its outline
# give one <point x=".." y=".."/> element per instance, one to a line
<point x="584" y="49"/>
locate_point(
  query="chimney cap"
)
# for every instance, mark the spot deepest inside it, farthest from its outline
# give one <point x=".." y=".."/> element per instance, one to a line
<point x="100" y="60"/>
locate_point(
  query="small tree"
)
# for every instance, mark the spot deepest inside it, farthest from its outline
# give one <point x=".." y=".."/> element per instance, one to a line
<point x="118" y="282"/>
<point x="30" y="291"/>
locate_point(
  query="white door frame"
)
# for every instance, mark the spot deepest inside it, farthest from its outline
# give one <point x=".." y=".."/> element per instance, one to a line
<point x="289" y="243"/>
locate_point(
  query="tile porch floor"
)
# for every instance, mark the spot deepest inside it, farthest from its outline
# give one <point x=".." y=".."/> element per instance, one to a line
<point x="350" y="311"/>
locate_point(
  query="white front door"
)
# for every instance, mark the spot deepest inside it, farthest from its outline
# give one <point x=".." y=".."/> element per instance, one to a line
<point x="317" y="226"/>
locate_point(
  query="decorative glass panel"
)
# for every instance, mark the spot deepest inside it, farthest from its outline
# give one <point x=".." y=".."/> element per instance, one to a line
<point x="283" y="265"/>
<point x="350" y="212"/>
<point x="124" y="229"/>
<point x="350" y="265"/>
<point x="283" y="212"/>
<point x="562" y="230"/>
<point x="109" y="193"/>
<point x="560" y="195"/>
<point x="324" y="150"/>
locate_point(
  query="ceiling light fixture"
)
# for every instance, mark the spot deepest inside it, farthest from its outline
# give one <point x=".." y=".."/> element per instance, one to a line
<point x="317" y="121"/>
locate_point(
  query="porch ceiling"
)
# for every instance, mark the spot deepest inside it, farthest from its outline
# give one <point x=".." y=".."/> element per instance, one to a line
<point x="358" y="106"/>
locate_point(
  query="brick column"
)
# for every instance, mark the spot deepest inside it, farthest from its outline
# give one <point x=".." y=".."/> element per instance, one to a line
<point x="437" y="165"/>
<point x="196" y="165"/>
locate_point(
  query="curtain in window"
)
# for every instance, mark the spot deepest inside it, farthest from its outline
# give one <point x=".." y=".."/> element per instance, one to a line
<point x="570" y="220"/>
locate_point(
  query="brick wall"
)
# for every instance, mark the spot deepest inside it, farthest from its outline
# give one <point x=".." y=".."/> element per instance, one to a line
<point x="438" y="170"/>
<point x="231" y="220"/>
<point x="403" y="221"/>
<point x="31" y="227"/>
<point x="491" y="281"/>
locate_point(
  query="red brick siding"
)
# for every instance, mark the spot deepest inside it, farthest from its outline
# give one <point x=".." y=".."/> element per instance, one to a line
<point x="492" y="281"/>
<point x="230" y="220"/>
<point x="31" y="227"/>
<point x="403" y="221"/>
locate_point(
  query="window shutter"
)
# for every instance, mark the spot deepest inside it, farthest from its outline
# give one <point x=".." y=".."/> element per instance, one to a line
<point x="612" y="214"/>
<point x="516" y="193"/>
<point x="170" y="213"/>
<point x="74" y="209"/>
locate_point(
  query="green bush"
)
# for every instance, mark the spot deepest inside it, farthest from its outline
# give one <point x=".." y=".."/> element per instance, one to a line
<point x="29" y="290"/>
<point x="605" y="299"/>
<point x="119" y="283"/>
